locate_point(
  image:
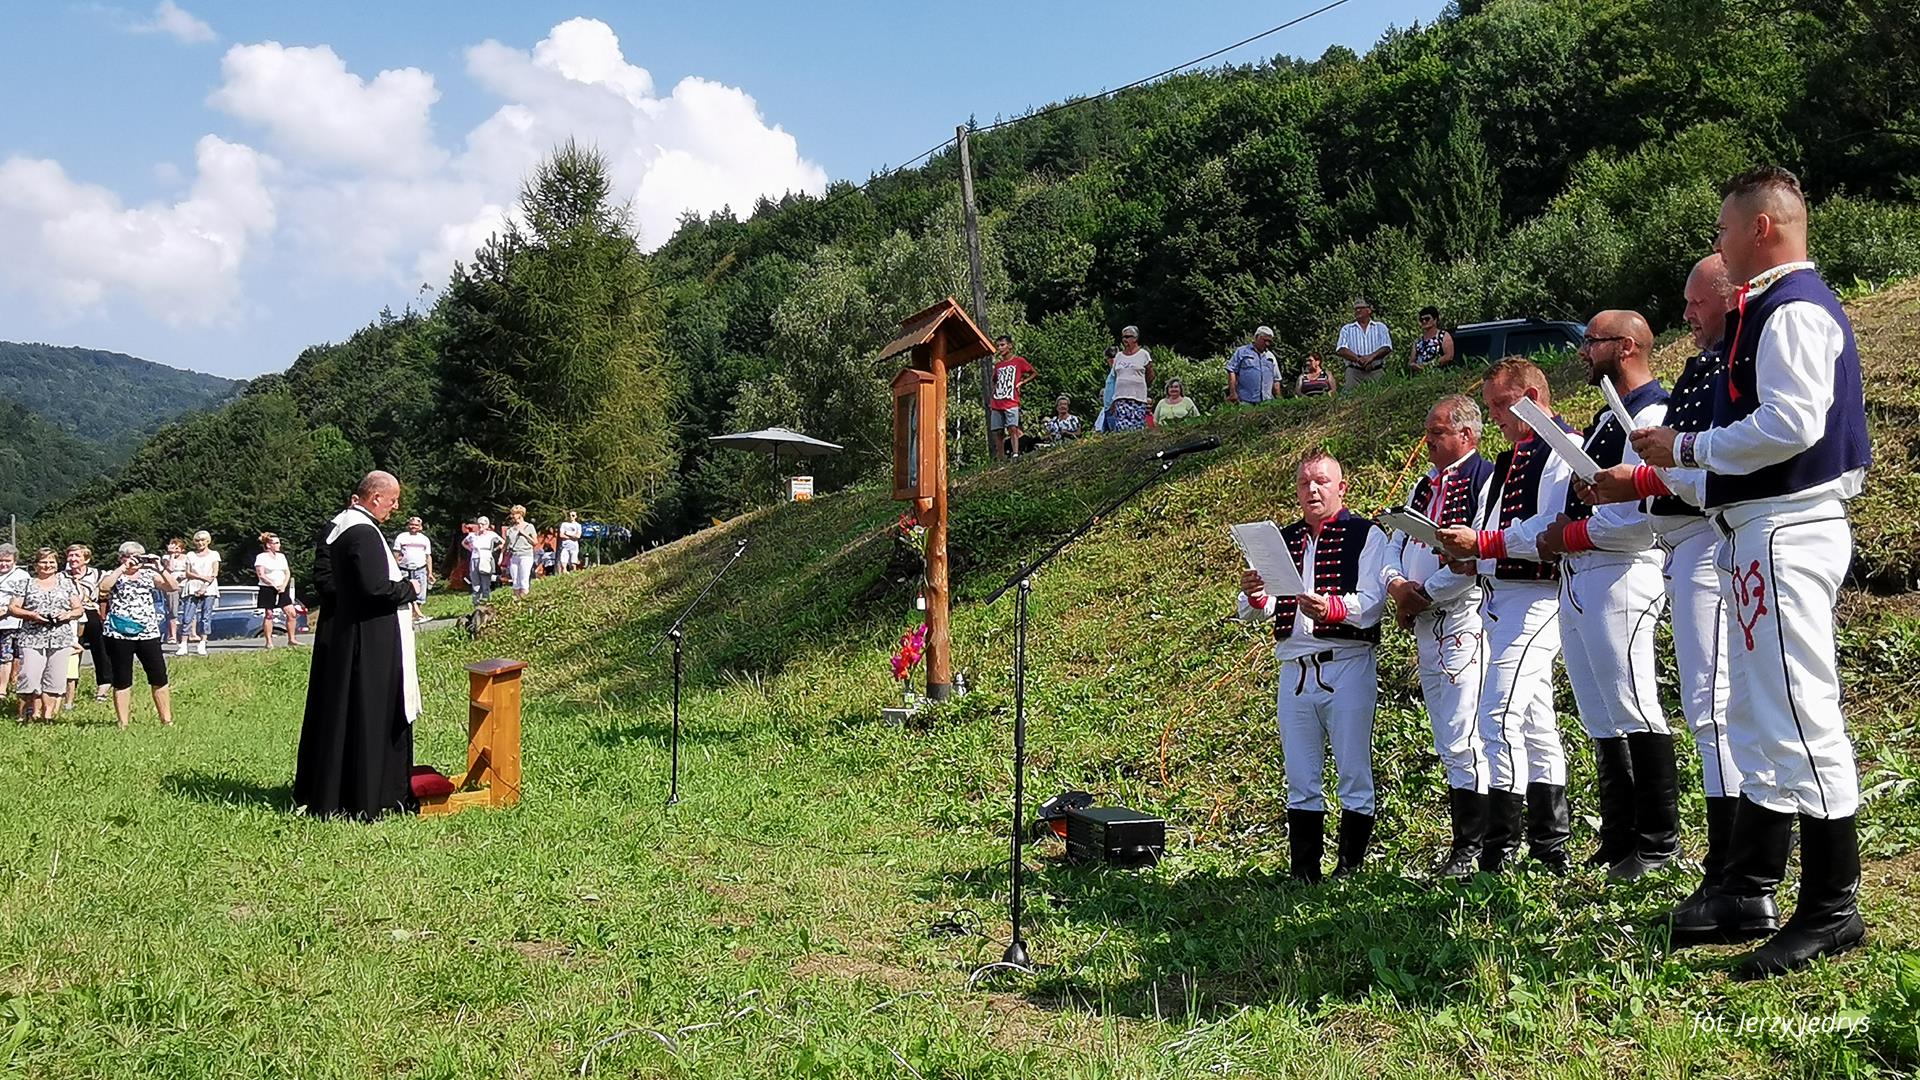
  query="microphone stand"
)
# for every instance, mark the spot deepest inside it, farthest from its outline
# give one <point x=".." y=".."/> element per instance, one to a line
<point x="673" y="634"/>
<point x="1016" y="954"/>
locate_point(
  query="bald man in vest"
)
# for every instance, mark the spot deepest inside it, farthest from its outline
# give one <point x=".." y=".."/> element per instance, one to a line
<point x="1788" y="447"/>
<point x="1690" y="545"/>
<point x="1611" y="598"/>
<point x="1329" y="680"/>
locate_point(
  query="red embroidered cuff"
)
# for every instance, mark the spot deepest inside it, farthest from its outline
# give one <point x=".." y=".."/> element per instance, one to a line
<point x="1574" y="537"/>
<point x="1647" y="482"/>
<point x="1493" y="544"/>
<point x="1336" y="608"/>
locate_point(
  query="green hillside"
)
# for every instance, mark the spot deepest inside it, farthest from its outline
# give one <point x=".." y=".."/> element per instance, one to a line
<point x="40" y="462"/>
<point x="816" y="904"/>
<point x="105" y="397"/>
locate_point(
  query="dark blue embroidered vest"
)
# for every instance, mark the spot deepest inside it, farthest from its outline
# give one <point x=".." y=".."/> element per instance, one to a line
<point x="1606" y="443"/>
<point x="1690" y="408"/>
<point x="1842" y="448"/>
<point x="1460" y="495"/>
<point x="1336" y="569"/>
<point x="1516" y="497"/>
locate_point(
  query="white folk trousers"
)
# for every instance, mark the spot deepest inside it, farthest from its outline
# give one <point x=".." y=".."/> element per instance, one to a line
<point x="1609" y="606"/>
<point x="1782" y="563"/>
<point x="1699" y="650"/>
<point x="1328" y="701"/>
<point x="1453" y="664"/>
<point x="1518" y="729"/>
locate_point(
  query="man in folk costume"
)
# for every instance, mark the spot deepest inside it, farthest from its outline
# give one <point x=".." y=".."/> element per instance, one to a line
<point x="1611" y="597"/>
<point x="1691" y="544"/>
<point x="1324" y="641"/>
<point x="1787" y="448"/>
<point x="1526" y="766"/>
<point x="1439" y="601"/>
<point x="363" y="693"/>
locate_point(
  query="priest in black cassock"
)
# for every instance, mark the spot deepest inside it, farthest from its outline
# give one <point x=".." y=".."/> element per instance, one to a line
<point x="356" y="745"/>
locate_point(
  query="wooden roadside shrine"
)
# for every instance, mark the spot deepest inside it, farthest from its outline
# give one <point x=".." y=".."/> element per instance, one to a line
<point x="492" y="777"/>
<point x="938" y="340"/>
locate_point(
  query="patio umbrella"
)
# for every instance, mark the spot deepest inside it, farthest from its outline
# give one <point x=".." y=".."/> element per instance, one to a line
<point x="776" y="439"/>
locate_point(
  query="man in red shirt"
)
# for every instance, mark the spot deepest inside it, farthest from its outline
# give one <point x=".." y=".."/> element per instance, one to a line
<point x="1010" y="373"/>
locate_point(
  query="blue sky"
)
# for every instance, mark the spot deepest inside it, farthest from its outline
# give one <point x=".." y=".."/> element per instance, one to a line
<point x="217" y="185"/>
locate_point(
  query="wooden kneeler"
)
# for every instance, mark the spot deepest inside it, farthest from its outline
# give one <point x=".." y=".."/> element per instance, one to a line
<point x="493" y="745"/>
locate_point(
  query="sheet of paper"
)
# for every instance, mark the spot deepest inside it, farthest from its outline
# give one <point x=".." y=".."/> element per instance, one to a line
<point x="1414" y="524"/>
<point x="1566" y="445"/>
<point x="1267" y="553"/>
<point x="1621" y="415"/>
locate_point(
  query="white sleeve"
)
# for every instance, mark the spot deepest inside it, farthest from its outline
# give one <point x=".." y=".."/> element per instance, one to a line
<point x="1794" y="367"/>
<point x="1444" y="584"/>
<point x="1624" y="526"/>
<point x="1346" y="340"/>
<point x="1523" y="537"/>
<point x="1386" y="336"/>
<point x="1252" y="612"/>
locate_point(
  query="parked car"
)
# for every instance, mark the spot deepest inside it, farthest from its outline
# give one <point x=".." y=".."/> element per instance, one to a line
<point x="236" y="615"/>
<point x="1489" y="341"/>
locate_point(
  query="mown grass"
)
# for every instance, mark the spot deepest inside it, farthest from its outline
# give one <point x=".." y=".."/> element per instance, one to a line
<point x="816" y="904"/>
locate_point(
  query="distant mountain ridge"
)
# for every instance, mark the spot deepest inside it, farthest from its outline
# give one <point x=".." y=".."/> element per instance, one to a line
<point x="104" y="397"/>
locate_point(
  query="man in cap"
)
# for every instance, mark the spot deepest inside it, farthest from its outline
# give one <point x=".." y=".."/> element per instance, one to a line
<point x="1253" y="375"/>
<point x="1364" y="345"/>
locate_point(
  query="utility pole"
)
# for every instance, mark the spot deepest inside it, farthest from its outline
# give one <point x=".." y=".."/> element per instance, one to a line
<point x="979" y="283"/>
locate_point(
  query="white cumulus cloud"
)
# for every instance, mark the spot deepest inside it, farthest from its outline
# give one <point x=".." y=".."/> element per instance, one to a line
<point x="177" y="23"/>
<point x="78" y="247"/>
<point x="319" y="113"/>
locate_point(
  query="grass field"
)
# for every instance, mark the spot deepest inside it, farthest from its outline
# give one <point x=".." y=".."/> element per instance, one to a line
<point x="817" y="903"/>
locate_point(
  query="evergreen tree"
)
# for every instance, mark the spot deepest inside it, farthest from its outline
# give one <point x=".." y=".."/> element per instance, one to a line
<point x="554" y="393"/>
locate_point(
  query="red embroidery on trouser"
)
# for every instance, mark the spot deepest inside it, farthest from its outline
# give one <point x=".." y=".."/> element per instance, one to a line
<point x="1750" y="599"/>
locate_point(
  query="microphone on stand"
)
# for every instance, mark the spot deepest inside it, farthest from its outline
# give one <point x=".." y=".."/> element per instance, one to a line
<point x="1190" y="448"/>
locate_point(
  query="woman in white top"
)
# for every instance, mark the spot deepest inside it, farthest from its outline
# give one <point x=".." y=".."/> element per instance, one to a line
<point x="521" y="538"/>
<point x="483" y="547"/>
<point x="199" y="586"/>
<point x="175" y="564"/>
<point x="1132" y="374"/>
<point x="570" y="542"/>
<point x="276" y="589"/>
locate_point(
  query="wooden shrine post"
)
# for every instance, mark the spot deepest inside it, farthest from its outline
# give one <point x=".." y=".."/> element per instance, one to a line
<point x="940" y="339"/>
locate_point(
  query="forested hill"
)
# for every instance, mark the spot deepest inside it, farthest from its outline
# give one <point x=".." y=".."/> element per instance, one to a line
<point x="40" y="462"/>
<point x="103" y="396"/>
<point x="1516" y="157"/>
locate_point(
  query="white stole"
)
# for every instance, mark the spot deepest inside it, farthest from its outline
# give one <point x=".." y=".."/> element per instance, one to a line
<point x="403" y="618"/>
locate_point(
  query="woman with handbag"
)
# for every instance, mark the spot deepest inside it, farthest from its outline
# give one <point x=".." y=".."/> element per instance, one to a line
<point x="132" y="628"/>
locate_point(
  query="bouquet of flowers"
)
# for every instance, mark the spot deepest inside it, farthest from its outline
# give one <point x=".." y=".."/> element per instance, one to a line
<point x="909" y="529"/>
<point x="911" y="647"/>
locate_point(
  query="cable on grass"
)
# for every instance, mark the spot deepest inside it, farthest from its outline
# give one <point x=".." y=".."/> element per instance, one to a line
<point x="974" y="979"/>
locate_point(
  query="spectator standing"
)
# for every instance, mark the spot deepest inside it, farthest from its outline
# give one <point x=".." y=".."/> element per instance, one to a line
<point x="520" y="537"/>
<point x="1062" y="425"/>
<point x="415" y="551"/>
<point x="1253" y="374"/>
<point x="1434" y="347"/>
<point x="1314" y="381"/>
<point x="132" y="629"/>
<point x="1104" y="418"/>
<point x="10" y="576"/>
<point x="1176" y="406"/>
<point x="1364" y="345"/>
<point x="276" y="588"/>
<point x="199" y="587"/>
<point x="45" y="604"/>
<point x="1010" y="373"/>
<point x="86" y="581"/>
<point x="483" y="563"/>
<point x="1132" y="375"/>
<point x="175" y="563"/>
<point x="570" y="532"/>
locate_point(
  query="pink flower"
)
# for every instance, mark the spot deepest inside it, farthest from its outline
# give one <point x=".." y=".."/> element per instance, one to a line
<point x="912" y="647"/>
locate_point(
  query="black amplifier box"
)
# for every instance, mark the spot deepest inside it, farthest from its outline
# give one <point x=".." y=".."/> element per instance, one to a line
<point x="1114" y="835"/>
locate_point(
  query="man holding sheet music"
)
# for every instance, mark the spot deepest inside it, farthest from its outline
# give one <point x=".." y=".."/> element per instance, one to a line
<point x="1439" y="601"/>
<point x="1788" y="447"/>
<point x="1527" y="769"/>
<point x="1611" y="598"/>
<point x="1691" y="544"/>
<point x="1324" y="639"/>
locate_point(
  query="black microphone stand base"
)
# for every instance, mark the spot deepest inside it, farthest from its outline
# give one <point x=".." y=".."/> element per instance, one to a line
<point x="1016" y="954"/>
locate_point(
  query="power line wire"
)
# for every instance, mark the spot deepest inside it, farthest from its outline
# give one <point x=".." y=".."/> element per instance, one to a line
<point x="1064" y="105"/>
